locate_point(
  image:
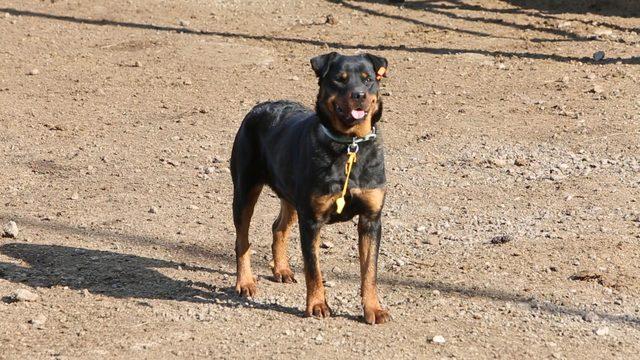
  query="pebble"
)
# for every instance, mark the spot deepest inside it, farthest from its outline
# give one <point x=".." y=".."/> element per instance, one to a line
<point x="38" y="321"/>
<point x="153" y="210"/>
<point x="331" y="20"/>
<point x="499" y="162"/>
<point x="33" y="72"/>
<point x="432" y="240"/>
<point x="326" y="245"/>
<point x="421" y="229"/>
<point x="501" y="239"/>
<point x="25" y="295"/>
<point x="439" y="339"/>
<point x="329" y="284"/>
<point x="184" y="23"/>
<point x="590" y="316"/>
<point x="602" y="331"/>
<point x="193" y="207"/>
<point x="10" y="230"/>
<point x="598" y="55"/>
<point x="138" y="64"/>
<point x="75" y="196"/>
<point x="209" y="170"/>
<point x="597" y="89"/>
<point x="520" y="161"/>
<point x="603" y="32"/>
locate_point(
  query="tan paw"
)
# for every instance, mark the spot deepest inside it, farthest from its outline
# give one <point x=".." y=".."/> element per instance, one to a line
<point x="283" y="276"/>
<point x="318" y="310"/>
<point x="246" y="288"/>
<point x="376" y="316"/>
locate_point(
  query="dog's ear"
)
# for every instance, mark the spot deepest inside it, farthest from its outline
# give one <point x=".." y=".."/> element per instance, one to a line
<point x="320" y="64"/>
<point x="380" y="65"/>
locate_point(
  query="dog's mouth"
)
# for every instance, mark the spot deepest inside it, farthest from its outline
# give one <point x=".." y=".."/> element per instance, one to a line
<point x="351" y="117"/>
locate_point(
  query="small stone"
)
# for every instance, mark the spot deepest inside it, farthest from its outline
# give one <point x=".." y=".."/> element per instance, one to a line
<point x="597" y="89"/>
<point x="499" y="162"/>
<point x="603" y="32"/>
<point x="501" y="239"/>
<point x="74" y="196"/>
<point x="439" y="339"/>
<point x="329" y="284"/>
<point x="432" y="240"/>
<point x="193" y="207"/>
<point x="435" y="292"/>
<point x="10" y="230"/>
<point x="209" y="170"/>
<point x="137" y="64"/>
<point x="294" y="78"/>
<point x="184" y="23"/>
<point x="520" y="161"/>
<point x="33" y="72"/>
<point x="326" y="245"/>
<point x="25" y="295"/>
<point x="331" y="20"/>
<point x="598" y="55"/>
<point x="153" y="210"/>
<point x="590" y="316"/>
<point x="38" y="321"/>
<point x="400" y="262"/>
<point x="603" y="331"/>
<point x="319" y="339"/>
<point x="421" y="229"/>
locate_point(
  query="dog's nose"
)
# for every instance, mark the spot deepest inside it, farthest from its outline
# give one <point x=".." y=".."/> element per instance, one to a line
<point x="358" y="95"/>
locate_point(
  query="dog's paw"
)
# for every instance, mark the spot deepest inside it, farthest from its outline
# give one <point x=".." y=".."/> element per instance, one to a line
<point x="246" y="288"/>
<point x="283" y="276"/>
<point x="318" y="310"/>
<point x="376" y="316"/>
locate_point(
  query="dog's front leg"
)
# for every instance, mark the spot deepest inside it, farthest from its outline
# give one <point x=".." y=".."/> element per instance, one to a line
<point x="310" y="241"/>
<point x="369" y="234"/>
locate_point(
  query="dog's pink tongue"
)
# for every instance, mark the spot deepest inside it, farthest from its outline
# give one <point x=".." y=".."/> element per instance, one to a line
<point x="357" y="114"/>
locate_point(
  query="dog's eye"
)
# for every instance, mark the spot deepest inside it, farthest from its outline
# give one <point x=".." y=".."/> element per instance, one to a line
<point x="365" y="78"/>
<point x="342" y="78"/>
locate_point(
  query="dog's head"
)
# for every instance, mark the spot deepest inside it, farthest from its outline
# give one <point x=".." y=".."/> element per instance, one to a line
<point x="348" y="100"/>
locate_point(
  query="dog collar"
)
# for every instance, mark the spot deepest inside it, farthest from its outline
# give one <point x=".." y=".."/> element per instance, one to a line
<point x="348" y="139"/>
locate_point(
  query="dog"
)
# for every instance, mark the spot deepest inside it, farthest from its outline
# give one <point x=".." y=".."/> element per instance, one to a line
<point x="326" y="166"/>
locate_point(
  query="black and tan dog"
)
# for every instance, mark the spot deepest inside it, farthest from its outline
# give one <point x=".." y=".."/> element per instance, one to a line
<point x="326" y="166"/>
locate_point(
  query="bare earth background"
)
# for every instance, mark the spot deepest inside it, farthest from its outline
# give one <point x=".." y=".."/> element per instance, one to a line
<point x="497" y="123"/>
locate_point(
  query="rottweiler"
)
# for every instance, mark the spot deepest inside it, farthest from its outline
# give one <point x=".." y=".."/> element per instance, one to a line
<point x="326" y="166"/>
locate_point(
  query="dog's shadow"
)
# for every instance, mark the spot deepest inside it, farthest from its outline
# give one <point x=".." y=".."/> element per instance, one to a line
<point x="116" y="275"/>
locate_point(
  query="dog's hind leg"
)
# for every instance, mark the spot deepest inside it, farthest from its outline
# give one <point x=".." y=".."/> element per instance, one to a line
<point x="281" y="230"/>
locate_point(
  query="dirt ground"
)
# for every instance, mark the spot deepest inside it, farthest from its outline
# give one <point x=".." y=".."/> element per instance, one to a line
<point x="116" y="125"/>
